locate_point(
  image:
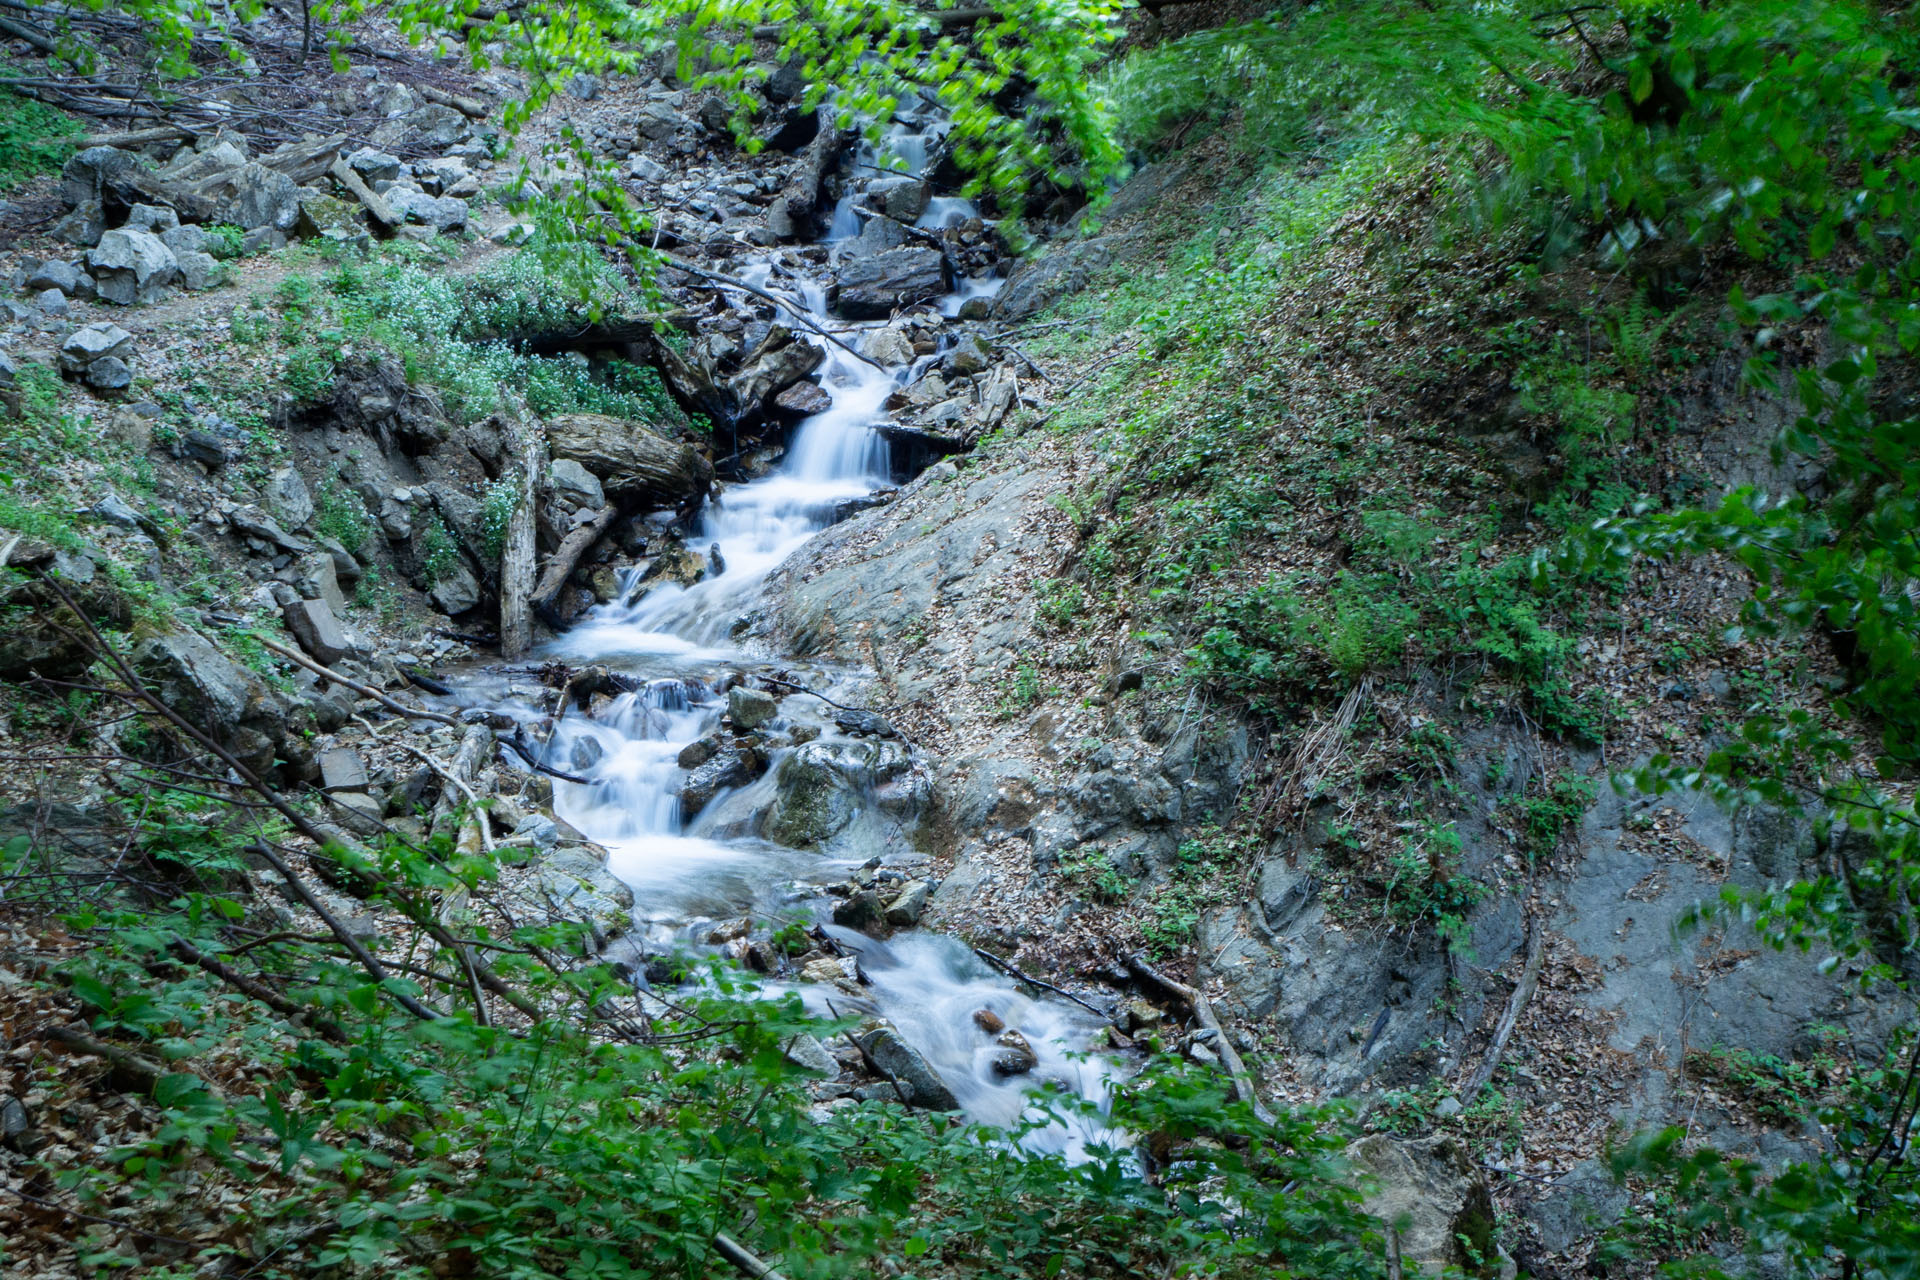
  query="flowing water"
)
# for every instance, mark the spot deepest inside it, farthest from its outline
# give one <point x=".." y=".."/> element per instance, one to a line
<point x="688" y="871"/>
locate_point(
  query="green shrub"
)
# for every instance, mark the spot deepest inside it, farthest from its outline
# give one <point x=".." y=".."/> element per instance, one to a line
<point x="1427" y="888"/>
<point x="224" y="241"/>
<point x="339" y="514"/>
<point x="34" y="139"/>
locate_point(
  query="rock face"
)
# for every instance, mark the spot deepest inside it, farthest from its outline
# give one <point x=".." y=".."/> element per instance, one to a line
<point x="871" y="288"/>
<point x="915" y="1075"/>
<point x="132" y="266"/>
<point x="214" y="693"/>
<point x="630" y="459"/>
<point x="94" y="342"/>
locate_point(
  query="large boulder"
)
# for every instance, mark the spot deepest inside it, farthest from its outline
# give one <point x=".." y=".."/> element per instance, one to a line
<point x="132" y="266"/>
<point x="631" y="460"/>
<point x="216" y="694"/>
<point x="1432" y="1193"/>
<point x="871" y="288"/>
<point x="41" y="636"/>
<point x="825" y="785"/>
<point x="575" y="882"/>
<point x="254" y="196"/>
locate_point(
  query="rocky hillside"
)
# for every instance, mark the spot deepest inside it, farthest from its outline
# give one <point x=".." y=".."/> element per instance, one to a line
<point x="1205" y="663"/>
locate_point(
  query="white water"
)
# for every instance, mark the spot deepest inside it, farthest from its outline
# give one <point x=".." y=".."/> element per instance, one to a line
<point x="686" y="870"/>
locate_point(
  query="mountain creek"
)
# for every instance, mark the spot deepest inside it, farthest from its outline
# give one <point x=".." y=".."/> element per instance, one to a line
<point x="1042" y="650"/>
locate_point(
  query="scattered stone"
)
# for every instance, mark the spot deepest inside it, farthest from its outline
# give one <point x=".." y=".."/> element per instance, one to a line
<point x="318" y="631"/>
<point x="149" y="217"/>
<point x="109" y="374"/>
<point x="989" y="1021"/>
<point x="213" y="692"/>
<point x="809" y="1054"/>
<point x="55" y="274"/>
<point x="198" y="271"/>
<point x="869" y="724"/>
<point x="257" y="523"/>
<point x="457" y="591"/>
<point x="184" y="240"/>
<point x="575" y="485"/>
<point x="698" y="752"/>
<point x="872" y="287"/>
<point x="1435" y="1191"/>
<point x="903" y="198"/>
<point x="803" y="399"/>
<point x="286" y="498"/>
<point x="374" y="166"/>
<point x="342" y="769"/>
<point x="731" y="767"/>
<point x="94" y="342"/>
<point x="861" y="910"/>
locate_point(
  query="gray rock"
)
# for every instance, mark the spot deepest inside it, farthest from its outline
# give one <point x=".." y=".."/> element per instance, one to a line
<point x="906" y="1065"/>
<point x="51" y="302"/>
<point x="443" y="213"/>
<point x="318" y="631"/>
<point x="216" y="694"/>
<point x="750" y="708"/>
<point x="97" y="172"/>
<point x="342" y="769"/>
<point x="131" y="266"/>
<point x="109" y="374"/>
<point x="903" y="197"/>
<point x="262" y="240"/>
<point x="660" y="122"/>
<point x="64" y="276"/>
<point x="374" y="166"/>
<point x="630" y="459"/>
<point x="731" y="767"/>
<point x="457" y="592"/>
<point x="205" y="447"/>
<point x="809" y="1054"/>
<point x="576" y="486"/>
<point x="577" y="886"/>
<point x="254" y="196"/>
<point x="150" y="217"/>
<point x="184" y="240"/>
<point x="319" y="580"/>
<point x="257" y="523"/>
<point x="1579" y="1204"/>
<point x="1433" y="1188"/>
<point x="823" y="788"/>
<point x="198" y="271"/>
<point x="872" y="287"/>
<point x="583" y="86"/>
<point x="82" y="225"/>
<point x="286" y="499"/>
<point x="888" y="346"/>
<point x="778" y="362"/>
<point x="907" y="909"/>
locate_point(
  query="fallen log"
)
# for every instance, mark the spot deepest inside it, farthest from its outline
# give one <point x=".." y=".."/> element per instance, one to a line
<point x="377" y="208"/>
<point x="365" y="691"/>
<point x="466" y="106"/>
<point x="1195" y="999"/>
<point x="1510" y="1016"/>
<point x="576" y="544"/>
<point x="516" y="559"/>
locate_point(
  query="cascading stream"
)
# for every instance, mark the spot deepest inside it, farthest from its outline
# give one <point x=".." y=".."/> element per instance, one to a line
<point x="689" y="870"/>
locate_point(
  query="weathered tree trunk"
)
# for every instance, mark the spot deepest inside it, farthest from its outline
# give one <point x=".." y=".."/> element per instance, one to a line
<point x="517" y="557"/>
<point x="568" y="554"/>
